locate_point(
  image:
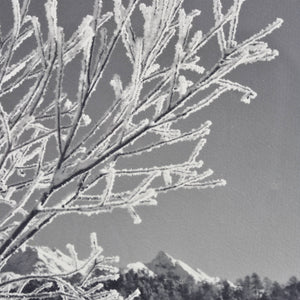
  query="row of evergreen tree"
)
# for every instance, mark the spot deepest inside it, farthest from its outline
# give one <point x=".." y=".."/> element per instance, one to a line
<point x="168" y="287"/>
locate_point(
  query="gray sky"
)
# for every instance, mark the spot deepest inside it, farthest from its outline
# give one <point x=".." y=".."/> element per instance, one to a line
<point x="253" y="223"/>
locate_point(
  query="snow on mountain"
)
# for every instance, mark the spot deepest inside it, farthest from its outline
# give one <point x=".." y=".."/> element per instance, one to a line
<point x="139" y="267"/>
<point x="42" y="260"/>
<point x="165" y="264"/>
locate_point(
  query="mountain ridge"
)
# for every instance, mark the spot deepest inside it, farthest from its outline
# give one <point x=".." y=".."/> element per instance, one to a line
<point x="43" y="260"/>
<point x="165" y="264"/>
<point x="163" y="278"/>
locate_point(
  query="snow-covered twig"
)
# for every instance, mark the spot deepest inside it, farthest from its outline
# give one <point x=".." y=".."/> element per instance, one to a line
<point x="49" y="148"/>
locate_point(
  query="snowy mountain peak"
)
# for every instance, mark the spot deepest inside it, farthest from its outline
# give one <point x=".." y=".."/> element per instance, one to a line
<point x="165" y="264"/>
<point x="40" y="260"/>
<point x="43" y="260"/>
<point x="139" y="267"/>
<point x="164" y="257"/>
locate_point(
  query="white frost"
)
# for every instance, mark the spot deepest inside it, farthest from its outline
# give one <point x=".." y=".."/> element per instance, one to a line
<point x="139" y="267"/>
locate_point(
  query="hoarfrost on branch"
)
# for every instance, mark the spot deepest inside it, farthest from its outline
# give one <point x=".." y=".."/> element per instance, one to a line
<point x="144" y="116"/>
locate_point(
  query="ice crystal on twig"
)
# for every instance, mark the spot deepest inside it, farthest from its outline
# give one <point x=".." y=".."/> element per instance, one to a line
<point x="143" y="118"/>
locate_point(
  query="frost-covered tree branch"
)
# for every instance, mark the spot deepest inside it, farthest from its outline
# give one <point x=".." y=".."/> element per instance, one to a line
<point x="80" y="283"/>
<point x="51" y="142"/>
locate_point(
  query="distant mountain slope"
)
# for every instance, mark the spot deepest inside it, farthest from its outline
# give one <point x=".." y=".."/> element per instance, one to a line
<point x="45" y="260"/>
<point x="41" y="260"/>
<point x="165" y="264"/>
<point x="168" y="278"/>
<point x="164" y="278"/>
<point x="164" y="275"/>
<point x="139" y="268"/>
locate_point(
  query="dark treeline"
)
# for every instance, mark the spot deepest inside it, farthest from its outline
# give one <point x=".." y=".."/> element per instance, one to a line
<point x="171" y="288"/>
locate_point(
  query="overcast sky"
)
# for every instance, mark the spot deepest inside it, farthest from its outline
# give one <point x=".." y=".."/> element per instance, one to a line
<point x="253" y="223"/>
